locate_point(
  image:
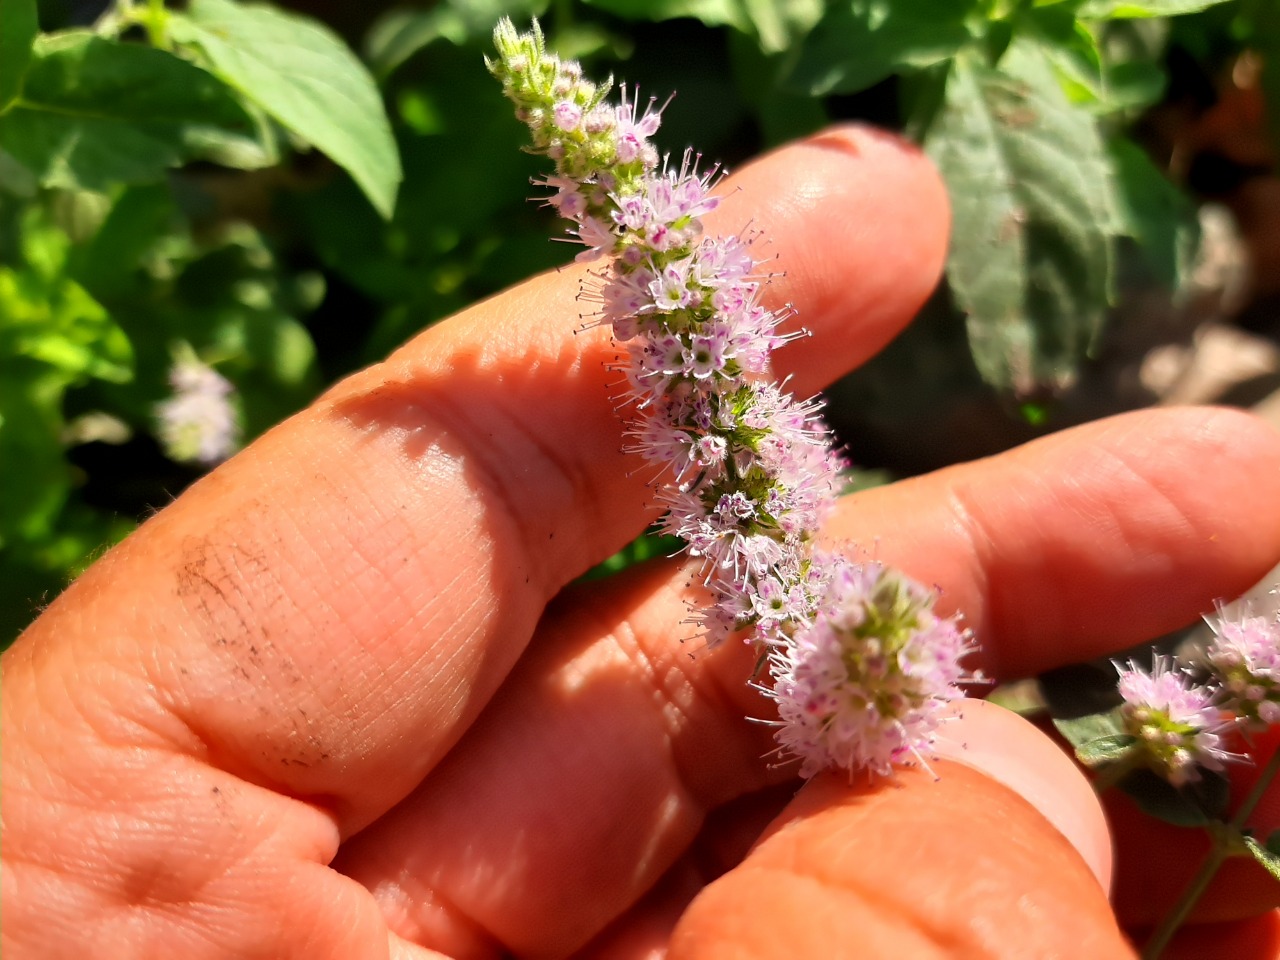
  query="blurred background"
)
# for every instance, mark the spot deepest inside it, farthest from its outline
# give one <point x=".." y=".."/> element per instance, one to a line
<point x="1112" y="166"/>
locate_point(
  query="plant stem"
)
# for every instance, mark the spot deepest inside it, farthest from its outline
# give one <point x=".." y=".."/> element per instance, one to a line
<point x="1226" y="843"/>
<point x="155" y="22"/>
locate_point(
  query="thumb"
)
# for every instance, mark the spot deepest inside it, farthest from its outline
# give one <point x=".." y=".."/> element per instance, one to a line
<point x="1001" y="852"/>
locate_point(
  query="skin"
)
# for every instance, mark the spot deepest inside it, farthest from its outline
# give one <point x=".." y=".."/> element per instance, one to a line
<point x="339" y="699"/>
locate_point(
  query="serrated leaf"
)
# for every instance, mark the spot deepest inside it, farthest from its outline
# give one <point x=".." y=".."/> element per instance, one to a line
<point x="1103" y="750"/>
<point x="1030" y="190"/>
<point x="1265" y="856"/>
<point x="1126" y="9"/>
<point x="1193" y="805"/>
<point x="1079" y="731"/>
<point x="860" y="42"/>
<point x="18" y="29"/>
<point x="303" y="75"/>
<point x="95" y="113"/>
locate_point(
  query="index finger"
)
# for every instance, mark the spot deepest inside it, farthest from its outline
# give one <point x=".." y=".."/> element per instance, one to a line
<point x="327" y="612"/>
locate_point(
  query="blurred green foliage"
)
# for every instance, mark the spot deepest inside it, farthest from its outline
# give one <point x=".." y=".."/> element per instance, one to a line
<point x="232" y="178"/>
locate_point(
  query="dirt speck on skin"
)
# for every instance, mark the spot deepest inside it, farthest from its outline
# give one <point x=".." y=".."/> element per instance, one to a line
<point x="234" y="599"/>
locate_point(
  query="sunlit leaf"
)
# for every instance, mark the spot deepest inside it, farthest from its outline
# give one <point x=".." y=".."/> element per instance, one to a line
<point x="1094" y="753"/>
<point x="95" y="113"/>
<point x="1126" y="9"/>
<point x="1031" y="193"/>
<point x="302" y="74"/>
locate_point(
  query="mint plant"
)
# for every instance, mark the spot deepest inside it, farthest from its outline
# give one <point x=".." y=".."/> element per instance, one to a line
<point x="1173" y="730"/>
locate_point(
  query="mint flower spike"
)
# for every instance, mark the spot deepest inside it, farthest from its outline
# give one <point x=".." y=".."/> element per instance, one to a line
<point x="1177" y="723"/>
<point x="1245" y="659"/>
<point x="752" y="470"/>
<point x="863" y="684"/>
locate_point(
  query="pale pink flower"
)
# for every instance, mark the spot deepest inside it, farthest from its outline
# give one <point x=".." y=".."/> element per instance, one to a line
<point x="1245" y="659"/>
<point x="863" y="684"/>
<point x="1176" y="722"/>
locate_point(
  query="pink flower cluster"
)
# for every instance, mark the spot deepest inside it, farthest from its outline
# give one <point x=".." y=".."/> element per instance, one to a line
<point x="750" y="471"/>
<point x="1180" y="724"/>
<point x="863" y="682"/>
<point x="1245" y="659"/>
<point x="1177" y="725"/>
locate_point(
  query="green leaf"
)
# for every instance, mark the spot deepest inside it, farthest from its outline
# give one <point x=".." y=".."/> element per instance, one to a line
<point x="18" y="29"/>
<point x="713" y="13"/>
<point x="1194" y="805"/>
<point x="860" y="42"/>
<point x="1265" y="856"/>
<point x="1079" y="731"/>
<point x="1155" y="213"/>
<point x="69" y="331"/>
<point x="1078" y="63"/>
<point x="109" y="264"/>
<point x="51" y="319"/>
<point x="778" y="26"/>
<point x="1031" y="193"/>
<point x="401" y="32"/>
<point x="1098" y="738"/>
<point x="94" y="113"/>
<point x="1103" y="750"/>
<point x="304" y="76"/>
<point x="1124" y="9"/>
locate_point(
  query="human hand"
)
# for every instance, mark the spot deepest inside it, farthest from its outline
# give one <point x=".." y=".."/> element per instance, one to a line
<point x="338" y="701"/>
